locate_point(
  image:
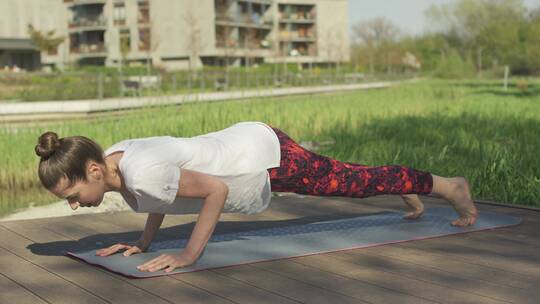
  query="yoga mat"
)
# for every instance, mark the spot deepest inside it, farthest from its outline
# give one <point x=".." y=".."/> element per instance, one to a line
<point x="300" y="240"/>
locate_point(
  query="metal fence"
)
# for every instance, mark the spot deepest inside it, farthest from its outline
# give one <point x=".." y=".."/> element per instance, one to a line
<point x="76" y="86"/>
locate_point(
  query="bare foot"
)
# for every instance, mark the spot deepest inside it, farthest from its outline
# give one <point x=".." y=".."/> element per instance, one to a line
<point x="460" y="198"/>
<point x="415" y="205"/>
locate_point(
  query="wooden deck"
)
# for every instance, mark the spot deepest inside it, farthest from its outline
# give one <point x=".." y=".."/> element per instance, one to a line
<point x="496" y="266"/>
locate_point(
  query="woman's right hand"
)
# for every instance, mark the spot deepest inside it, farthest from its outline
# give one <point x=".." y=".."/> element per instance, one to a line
<point x="134" y="248"/>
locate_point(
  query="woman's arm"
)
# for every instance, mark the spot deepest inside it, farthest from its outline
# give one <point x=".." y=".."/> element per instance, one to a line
<point x="153" y="222"/>
<point x="206" y="222"/>
<point x="194" y="184"/>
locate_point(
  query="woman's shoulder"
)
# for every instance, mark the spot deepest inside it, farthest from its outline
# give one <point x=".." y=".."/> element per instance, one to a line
<point x="148" y="156"/>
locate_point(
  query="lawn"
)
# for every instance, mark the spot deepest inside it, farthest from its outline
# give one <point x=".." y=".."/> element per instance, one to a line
<point x="465" y="128"/>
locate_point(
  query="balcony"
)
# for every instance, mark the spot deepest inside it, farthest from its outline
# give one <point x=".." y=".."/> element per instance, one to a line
<point x="297" y="36"/>
<point x="92" y="49"/>
<point x="90" y="22"/>
<point x="297" y="14"/>
<point x="297" y="49"/>
<point x="288" y="19"/>
<point x="267" y="2"/>
<point x="245" y="20"/>
<point x="299" y="53"/>
<point x="72" y="3"/>
<point x="224" y="43"/>
<point x="255" y="44"/>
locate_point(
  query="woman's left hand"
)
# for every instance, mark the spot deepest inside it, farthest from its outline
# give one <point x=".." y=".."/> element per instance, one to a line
<point x="170" y="260"/>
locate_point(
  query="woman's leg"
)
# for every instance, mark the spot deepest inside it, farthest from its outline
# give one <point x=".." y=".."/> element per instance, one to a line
<point x="305" y="172"/>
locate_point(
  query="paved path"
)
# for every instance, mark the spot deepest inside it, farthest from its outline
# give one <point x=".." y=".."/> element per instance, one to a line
<point x="22" y="111"/>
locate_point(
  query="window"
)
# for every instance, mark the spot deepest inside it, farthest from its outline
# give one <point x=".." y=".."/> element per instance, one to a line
<point x="143" y="11"/>
<point x="119" y="13"/>
<point x="144" y="39"/>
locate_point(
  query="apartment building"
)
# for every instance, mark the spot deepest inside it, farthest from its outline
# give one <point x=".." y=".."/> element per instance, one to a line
<point x="178" y="34"/>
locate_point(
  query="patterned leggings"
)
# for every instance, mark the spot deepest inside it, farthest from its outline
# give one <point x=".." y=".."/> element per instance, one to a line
<point x="304" y="172"/>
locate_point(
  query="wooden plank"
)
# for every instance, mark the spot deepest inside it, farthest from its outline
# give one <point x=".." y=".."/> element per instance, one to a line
<point x="485" y="255"/>
<point x="366" y="270"/>
<point x="293" y="288"/>
<point x="13" y="292"/>
<point x="46" y="255"/>
<point x="40" y="280"/>
<point x="325" y="205"/>
<point x="415" y="256"/>
<point x="505" y="240"/>
<point x="475" y="281"/>
<point x="169" y="289"/>
<point x="231" y="289"/>
<point x="190" y="288"/>
<point x="310" y="285"/>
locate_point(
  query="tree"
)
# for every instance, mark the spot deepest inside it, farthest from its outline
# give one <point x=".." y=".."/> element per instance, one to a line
<point x="125" y="48"/>
<point x="229" y="45"/>
<point x="533" y="41"/>
<point x="488" y="28"/>
<point x="45" y="42"/>
<point x="376" y="37"/>
<point x="251" y="44"/>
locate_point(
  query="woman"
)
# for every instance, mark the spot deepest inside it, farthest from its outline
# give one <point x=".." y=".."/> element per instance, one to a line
<point x="234" y="169"/>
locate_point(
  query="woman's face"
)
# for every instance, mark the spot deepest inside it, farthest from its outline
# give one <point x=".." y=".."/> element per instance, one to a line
<point x="84" y="194"/>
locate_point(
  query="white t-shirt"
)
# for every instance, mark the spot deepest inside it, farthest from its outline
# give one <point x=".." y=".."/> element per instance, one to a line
<point x="238" y="155"/>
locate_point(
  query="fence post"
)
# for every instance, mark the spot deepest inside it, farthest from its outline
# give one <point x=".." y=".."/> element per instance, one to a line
<point x="202" y="81"/>
<point x="257" y="80"/>
<point x="121" y="85"/>
<point x="100" y="86"/>
<point x="506" y="72"/>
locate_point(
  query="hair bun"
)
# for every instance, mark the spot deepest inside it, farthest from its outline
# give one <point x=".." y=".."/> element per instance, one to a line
<point x="48" y="143"/>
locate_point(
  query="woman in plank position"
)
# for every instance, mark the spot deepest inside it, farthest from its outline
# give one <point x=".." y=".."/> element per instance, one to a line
<point x="234" y="169"/>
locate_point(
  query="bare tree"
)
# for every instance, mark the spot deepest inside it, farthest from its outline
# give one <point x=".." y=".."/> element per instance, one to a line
<point x="375" y="36"/>
<point x="340" y="49"/>
<point x="230" y="47"/>
<point x="154" y="44"/>
<point x="329" y="46"/>
<point x="125" y="48"/>
<point x="251" y="45"/>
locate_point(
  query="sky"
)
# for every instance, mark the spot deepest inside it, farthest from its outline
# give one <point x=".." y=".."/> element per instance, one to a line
<point x="407" y="14"/>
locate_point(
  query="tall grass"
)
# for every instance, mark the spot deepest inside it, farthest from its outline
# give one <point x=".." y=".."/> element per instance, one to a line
<point x="449" y="128"/>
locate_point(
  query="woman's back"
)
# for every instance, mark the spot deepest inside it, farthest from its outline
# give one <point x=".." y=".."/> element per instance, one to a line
<point x="239" y="155"/>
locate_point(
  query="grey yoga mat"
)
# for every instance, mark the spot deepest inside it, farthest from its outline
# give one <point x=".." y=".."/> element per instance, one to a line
<point x="299" y="240"/>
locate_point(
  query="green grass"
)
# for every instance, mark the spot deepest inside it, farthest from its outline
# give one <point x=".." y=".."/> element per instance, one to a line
<point x="466" y="128"/>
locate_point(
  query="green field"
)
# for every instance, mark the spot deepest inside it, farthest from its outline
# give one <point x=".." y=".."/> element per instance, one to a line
<point x="467" y="128"/>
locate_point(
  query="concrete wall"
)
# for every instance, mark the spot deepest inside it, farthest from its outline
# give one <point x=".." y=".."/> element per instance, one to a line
<point x="184" y="30"/>
<point x="332" y="30"/>
<point x="44" y="15"/>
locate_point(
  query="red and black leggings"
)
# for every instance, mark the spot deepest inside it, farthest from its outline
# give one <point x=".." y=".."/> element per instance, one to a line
<point x="305" y="172"/>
